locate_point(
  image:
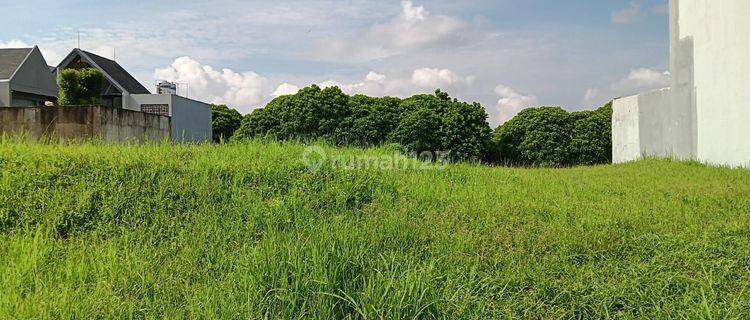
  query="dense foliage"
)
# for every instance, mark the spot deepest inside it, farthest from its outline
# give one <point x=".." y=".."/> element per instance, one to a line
<point x="80" y="87"/>
<point x="246" y="231"/>
<point x="429" y="123"/>
<point x="551" y="136"/>
<point x="592" y="136"/>
<point x="224" y="121"/>
<point x="422" y="123"/>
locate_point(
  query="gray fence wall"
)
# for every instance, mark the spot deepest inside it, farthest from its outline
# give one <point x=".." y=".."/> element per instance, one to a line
<point x="191" y="119"/>
<point x="75" y="123"/>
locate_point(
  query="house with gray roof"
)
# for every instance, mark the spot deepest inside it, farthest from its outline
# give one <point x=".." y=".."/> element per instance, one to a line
<point x="120" y="84"/>
<point x="25" y="78"/>
<point x="190" y="119"/>
<point x="27" y="81"/>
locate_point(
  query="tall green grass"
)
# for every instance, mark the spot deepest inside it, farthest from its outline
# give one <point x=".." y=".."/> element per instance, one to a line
<point x="247" y="231"/>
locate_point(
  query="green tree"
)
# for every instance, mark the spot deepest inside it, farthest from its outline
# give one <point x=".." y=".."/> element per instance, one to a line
<point x="465" y="132"/>
<point x="80" y="87"/>
<point x="592" y="136"/>
<point x="419" y="131"/>
<point x="439" y="123"/>
<point x="225" y="121"/>
<point x="91" y="86"/>
<point x="370" y="122"/>
<point x="68" y="85"/>
<point x="550" y="136"/>
<point x="312" y="113"/>
<point x="536" y="137"/>
<point x="263" y="122"/>
<point x="419" y="123"/>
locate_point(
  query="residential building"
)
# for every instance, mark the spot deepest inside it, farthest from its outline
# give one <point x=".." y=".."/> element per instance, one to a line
<point x="27" y="81"/>
<point x="25" y="78"/>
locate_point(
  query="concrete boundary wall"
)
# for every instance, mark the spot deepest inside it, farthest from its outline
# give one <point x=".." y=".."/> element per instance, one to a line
<point x="78" y="123"/>
<point x="652" y="124"/>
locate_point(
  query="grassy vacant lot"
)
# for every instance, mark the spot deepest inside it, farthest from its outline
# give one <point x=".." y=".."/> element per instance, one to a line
<point x="247" y="231"/>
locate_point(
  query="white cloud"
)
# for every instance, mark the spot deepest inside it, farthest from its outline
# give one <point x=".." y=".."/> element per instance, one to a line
<point x="243" y="91"/>
<point x="285" y="89"/>
<point x="14" y="44"/>
<point x="373" y="84"/>
<point x="643" y="78"/>
<point x="402" y="84"/>
<point x="414" y="28"/>
<point x="638" y="81"/>
<point x="375" y="77"/>
<point x="628" y="15"/>
<point x="51" y="55"/>
<point x="438" y="78"/>
<point x="512" y="102"/>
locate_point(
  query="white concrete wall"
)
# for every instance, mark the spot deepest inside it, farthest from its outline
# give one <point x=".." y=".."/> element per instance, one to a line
<point x="705" y="115"/>
<point x="626" y="137"/>
<point x="664" y="127"/>
<point x="651" y="124"/>
<point x="719" y="31"/>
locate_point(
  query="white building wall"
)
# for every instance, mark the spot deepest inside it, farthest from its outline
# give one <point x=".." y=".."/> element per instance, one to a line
<point x="705" y="115"/>
<point x="719" y="31"/>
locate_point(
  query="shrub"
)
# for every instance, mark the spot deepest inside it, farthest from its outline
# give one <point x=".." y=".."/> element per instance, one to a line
<point x="419" y="131"/>
<point x="465" y="133"/>
<point x="370" y="122"/>
<point x="80" y="87"/>
<point x="312" y="113"/>
<point x="439" y="123"/>
<point x="225" y="122"/>
<point x="592" y="136"/>
<point x="68" y="87"/>
<point x="550" y="136"/>
<point x="420" y="123"/>
<point x="536" y="136"/>
<point x="261" y="122"/>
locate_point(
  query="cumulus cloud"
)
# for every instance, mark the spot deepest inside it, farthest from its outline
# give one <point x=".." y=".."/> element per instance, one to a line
<point x="628" y="15"/>
<point x="243" y="91"/>
<point x="374" y="84"/>
<point x="375" y="77"/>
<point x="413" y="28"/>
<point x="285" y="89"/>
<point x="396" y="84"/>
<point x="438" y="78"/>
<point x="512" y="102"/>
<point x="416" y="27"/>
<point x="14" y="44"/>
<point x="638" y="81"/>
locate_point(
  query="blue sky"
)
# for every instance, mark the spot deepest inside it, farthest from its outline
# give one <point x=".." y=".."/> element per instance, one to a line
<point x="504" y="54"/>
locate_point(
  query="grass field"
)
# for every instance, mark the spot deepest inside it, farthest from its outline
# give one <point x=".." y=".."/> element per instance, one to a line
<point x="247" y="231"/>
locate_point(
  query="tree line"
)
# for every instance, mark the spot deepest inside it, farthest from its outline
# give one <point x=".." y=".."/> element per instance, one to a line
<point x="546" y="136"/>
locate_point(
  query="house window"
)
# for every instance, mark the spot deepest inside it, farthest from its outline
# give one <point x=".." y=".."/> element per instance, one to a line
<point x="160" y="109"/>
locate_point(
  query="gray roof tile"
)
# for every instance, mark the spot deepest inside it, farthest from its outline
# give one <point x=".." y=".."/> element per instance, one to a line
<point x="118" y="73"/>
<point x="10" y="60"/>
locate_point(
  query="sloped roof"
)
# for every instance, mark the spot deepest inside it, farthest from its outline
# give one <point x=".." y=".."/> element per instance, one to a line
<point x="118" y="73"/>
<point x="11" y="60"/>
